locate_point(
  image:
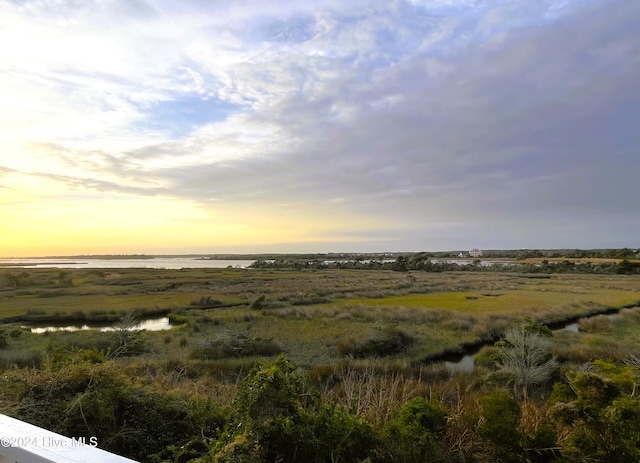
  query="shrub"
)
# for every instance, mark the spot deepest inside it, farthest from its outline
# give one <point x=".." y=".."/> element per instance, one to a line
<point x="335" y="435"/>
<point x="265" y="411"/>
<point x="487" y="356"/>
<point x="501" y="417"/>
<point x="127" y="339"/>
<point x="410" y="438"/>
<point x="258" y="304"/>
<point x="274" y="418"/>
<point x="11" y="358"/>
<point x="383" y="341"/>
<point x="600" y="414"/>
<point x="80" y="398"/>
<point x="600" y="323"/>
<point x="206" y="302"/>
<point x="101" y="340"/>
<point x="175" y="319"/>
<point x="229" y="344"/>
<point x="525" y="355"/>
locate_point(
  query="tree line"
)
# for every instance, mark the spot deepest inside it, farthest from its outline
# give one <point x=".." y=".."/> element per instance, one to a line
<point x="423" y="262"/>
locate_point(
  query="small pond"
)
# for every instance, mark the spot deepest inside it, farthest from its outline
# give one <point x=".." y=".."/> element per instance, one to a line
<point x="152" y="324"/>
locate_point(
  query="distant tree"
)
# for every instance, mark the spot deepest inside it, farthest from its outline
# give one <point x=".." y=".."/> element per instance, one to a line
<point x="12" y="280"/>
<point x="626" y="266"/>
<point x="65" y="278"/>
<point x="624" y="253"/>
<point x="17" y="281"/>
<point x="401" y="264"/>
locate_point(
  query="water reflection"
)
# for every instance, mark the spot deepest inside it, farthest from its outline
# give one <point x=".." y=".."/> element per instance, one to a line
<point x="465" y="365"/>
<point x="150" y="262"/>
<point x="153" y="324"/>
<point x="573" y="327"/>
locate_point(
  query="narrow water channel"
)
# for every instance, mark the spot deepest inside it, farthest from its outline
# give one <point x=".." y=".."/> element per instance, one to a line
<point x="466" y="364"/>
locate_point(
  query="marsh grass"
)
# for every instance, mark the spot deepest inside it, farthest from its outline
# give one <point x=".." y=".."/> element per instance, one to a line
<point x="311" y="314"/>
<point x="18" y="358"/>
<point x="600" y="323"/>
<point x="229" y="344"/>
<point x="579" y="348"/>
<point x="612" y="337"/>
<point x="383" y="340"/>
<point x="629" y="316"/>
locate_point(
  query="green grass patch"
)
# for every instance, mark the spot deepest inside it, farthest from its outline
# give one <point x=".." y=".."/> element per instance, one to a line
<point x="516" y="302"/>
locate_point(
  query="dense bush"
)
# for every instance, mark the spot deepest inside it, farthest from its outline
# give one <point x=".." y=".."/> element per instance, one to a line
<point x="83" y="395"/>
<point x="412" y="436"/>
<point x="600" y="412"/>
<point x="501" y="418"/>
<point x="276" y="417"/>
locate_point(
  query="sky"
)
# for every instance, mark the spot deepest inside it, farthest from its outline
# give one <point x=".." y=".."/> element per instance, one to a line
<point x="164" y="127"/>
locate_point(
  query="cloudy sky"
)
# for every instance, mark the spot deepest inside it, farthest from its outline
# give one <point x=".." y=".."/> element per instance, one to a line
<point x="140" y="126"/>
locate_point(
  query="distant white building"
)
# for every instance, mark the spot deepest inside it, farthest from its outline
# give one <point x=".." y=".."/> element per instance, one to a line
<point x="475" y="252"/>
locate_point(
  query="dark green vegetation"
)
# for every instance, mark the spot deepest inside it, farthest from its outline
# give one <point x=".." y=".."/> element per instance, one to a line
<point x="327" y="365"/>
<point x="622" y="261"/>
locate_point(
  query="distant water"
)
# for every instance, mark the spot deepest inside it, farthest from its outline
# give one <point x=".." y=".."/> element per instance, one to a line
<point x="156" y="262"/>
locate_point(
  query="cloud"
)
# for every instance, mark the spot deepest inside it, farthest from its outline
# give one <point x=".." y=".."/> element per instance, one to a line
<point x="426" y="121"/>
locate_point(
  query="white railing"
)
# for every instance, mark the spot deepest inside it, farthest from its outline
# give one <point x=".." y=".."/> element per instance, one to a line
<point x="22" y="442"/>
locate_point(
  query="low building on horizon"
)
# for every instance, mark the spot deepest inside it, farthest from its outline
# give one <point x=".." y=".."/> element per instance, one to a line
<point x="475" y="252"/>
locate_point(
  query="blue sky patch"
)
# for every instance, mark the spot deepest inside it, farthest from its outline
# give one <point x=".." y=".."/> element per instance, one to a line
<point x="181" y="116"/>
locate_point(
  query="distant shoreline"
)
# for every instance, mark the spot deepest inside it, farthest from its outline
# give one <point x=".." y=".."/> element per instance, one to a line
<point x="35" y="264"/>
<point x="520" y="255"/>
